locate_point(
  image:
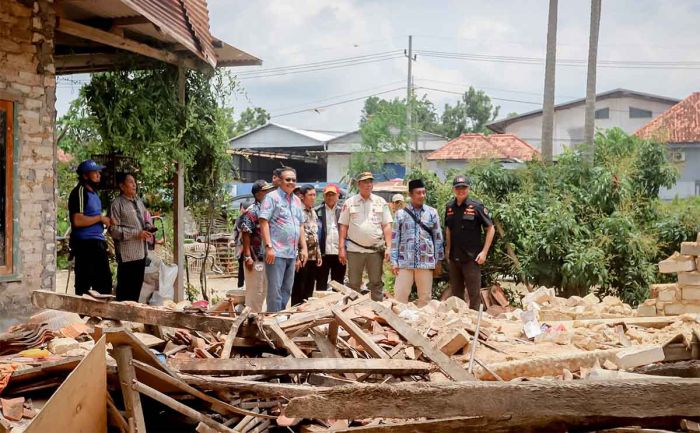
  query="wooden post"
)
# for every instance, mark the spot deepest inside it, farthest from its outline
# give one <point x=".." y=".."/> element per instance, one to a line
<point x="179" y="204"/>
<point x="127" y="375"/>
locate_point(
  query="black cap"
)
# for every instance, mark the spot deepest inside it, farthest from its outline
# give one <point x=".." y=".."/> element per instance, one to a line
<point x="258" y="186"/>
<point x="415" y="183"/>
<point x="460" y="181"/>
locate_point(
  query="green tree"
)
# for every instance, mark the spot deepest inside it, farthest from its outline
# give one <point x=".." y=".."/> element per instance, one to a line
<point x="250" y="118"/>
<point x="424" y="118"/>
<point x="469" y="115"/>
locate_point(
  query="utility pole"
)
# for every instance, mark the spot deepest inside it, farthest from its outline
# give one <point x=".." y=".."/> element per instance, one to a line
<point x="409" y="99"/>
<point x="549" y="72"/>
<point x="589" y="125"/>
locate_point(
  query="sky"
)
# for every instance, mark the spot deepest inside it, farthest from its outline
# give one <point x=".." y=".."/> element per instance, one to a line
<point x="299" y="32"/>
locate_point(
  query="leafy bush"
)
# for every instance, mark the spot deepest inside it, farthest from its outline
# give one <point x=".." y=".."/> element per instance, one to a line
<point x="579" y="226"/>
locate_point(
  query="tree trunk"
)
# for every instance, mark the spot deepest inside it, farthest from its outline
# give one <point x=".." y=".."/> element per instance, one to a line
<point x="589" y="125"/>
<point x="549" y="72"/>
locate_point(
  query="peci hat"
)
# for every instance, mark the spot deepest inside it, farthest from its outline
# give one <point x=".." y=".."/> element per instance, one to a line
<point x="397" y="197"/>
<point x="460" y="181"/>
<point x="364" y="176"/>
<point x="331" y="187"/>
<point x="415" y="183"/>
<point x="89" y="165"/>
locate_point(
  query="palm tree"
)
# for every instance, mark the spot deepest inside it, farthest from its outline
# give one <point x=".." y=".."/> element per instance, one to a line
<point x="589" y="125"/>
<point x="549" y="70"/>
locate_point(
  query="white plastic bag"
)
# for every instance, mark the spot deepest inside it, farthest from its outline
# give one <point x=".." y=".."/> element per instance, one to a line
<point x="166" y="281"/>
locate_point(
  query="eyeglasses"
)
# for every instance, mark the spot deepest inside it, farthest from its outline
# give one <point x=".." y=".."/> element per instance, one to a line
<point x="290" y="179"/>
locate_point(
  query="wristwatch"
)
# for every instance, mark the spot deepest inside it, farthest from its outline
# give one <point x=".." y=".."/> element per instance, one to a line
<point x="268" y="245"/>
<point x="247" y="257"/>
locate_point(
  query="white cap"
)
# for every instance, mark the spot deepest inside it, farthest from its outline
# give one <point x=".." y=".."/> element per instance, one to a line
<point x="397" y="197"/>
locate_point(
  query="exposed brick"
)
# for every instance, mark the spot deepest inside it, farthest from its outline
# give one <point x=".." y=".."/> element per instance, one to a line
<point x="678" y="308"/>
<point x="689" y="278"/>
<point x="668" y="293"/>
<point x="690" y="248"/>
<point x="677" y="263"/>
<point x="690" y="293"/>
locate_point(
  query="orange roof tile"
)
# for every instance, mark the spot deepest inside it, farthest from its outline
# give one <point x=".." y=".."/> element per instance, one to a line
<point x="480" y="146"/>
<point x="678" y="124"/>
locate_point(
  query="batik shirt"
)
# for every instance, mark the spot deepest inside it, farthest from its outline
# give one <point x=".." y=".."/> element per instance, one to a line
<point x="412" y="247"/>
<point x="311" y="233"/>
<point x="250" y="224"/>
<point x="285" y="216"/>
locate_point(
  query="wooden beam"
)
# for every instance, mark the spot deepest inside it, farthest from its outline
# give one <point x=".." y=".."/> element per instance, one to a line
<point x="446" y="364"/>
<point x="228" y="343"/>
<point x="645" y="322"/>
<point x="370" y="346"/>
<point x="179" y="407"/>
<point x="345" y="290"/>
<point x="305" y="365"/>
<point x="80" y="403"/>
<point x="130" y="21"/>
<point x="284" y="340"/>
<point x="127" y="375"/>
<point x="217" y="405"/>
<point x="545" y="399"/>
<point x="131" y="312"/>
<point x="179" y="203"/>
<point x="259" y="389"/>
<point x="106" y="38"/>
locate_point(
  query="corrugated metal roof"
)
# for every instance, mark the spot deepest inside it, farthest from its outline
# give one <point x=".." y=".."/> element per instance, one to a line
<point x="678" y="124"/>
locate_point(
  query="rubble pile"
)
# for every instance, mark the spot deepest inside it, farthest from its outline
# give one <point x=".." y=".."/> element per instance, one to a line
<point x="222" y="368"/>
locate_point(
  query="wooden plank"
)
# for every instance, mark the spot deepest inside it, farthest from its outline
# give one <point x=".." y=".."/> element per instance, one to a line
<point x="646" y="322"/>
<point x="217" y="405"/>
<point x="345" y="290"/>
<point x="303" y="365"/>
<point x="446" y="364"/>
<point x="116" y="417"/>
<point x="228" y="343"/>
<point x="259" y="389"/>
<point x="328" y="349"/>
<point x="127" y="376"/>
<point x="284" y="340"/>
<point x="537" y="398"/>
<point x="179" y="407"/>
<point x="370" y="346"/>
<point x="80" y="403"/>
<point x="306" y="318"/>
<point x="130" y="312"/>
<point x="65" y="365"/>
<point x="113" y="40"/>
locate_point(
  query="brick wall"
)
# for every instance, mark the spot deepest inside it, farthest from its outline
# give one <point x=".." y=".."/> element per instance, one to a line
<point x="27" y="76"/>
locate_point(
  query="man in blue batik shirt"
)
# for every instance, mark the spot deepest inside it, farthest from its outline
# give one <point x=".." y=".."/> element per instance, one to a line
<point x="416" y="246"/>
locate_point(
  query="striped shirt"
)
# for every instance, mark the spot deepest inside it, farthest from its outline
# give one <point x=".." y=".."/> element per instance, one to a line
<point x="128" y="217"/>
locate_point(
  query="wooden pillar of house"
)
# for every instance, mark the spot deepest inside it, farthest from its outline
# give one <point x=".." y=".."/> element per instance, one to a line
<point x="179" y="205"/>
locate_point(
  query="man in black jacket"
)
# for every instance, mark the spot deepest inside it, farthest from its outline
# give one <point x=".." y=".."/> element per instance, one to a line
<point x="328" y="214"/>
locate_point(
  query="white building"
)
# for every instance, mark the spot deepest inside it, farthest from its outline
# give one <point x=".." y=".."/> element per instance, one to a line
<point x="339" y="152"/>
<point x="625" y="109"/>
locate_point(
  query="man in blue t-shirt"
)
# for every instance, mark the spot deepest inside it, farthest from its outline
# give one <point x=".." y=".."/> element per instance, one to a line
<point x="87" y="240"/>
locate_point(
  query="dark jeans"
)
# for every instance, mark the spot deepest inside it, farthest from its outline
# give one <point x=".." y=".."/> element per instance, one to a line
<point x="130" y="279"/>
<point x="331" y="265"/>
<point x="466" y="275"/>
<point x="241" y="273"/>
<point x="304" y="280"/>
<point x="91" y="266"/>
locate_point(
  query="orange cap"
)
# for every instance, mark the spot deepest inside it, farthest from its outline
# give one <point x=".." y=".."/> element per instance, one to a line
<point x="331" y="187"/>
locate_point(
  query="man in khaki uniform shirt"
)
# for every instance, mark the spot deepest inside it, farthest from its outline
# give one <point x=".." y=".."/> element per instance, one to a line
<point x="365" y="236"/>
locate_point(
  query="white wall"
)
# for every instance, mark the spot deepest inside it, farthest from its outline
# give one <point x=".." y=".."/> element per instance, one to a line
<point x="337" y="166"/>
<point x="568" y="123"/>
<point x="353" y="143"/>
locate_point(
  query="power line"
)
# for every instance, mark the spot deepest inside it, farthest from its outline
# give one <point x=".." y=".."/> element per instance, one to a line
<point x="320" y="107"/>
<point x="462" y="93"/>
<point x="320" y="63"/>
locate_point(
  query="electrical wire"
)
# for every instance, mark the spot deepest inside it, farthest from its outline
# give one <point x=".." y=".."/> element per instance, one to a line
<point x="320" y="107"/>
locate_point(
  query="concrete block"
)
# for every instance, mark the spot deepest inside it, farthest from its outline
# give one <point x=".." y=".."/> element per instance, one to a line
<point x="678" y="308"/>
<point x="59" y="346"/>
<point x="668" y="293"/>
<point x="689" y="278"/>
<point x="637" y="356"/>
<point x="690" y="248"/>
<point x="677" y="263"/>
<point x="690" y="293"/>
<point x="647" y="309"/>
<point x="656" y="288"/>
<point x="453" y="342"/>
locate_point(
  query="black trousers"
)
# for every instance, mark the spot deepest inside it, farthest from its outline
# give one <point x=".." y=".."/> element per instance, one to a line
<point x="331" y="265"/>
<point x="241" y="273"/>
<point x="466" y="275"/>
<point x="91" y="266"/>
<point x="130" y="279"/>
<point x="304" y="281"/>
